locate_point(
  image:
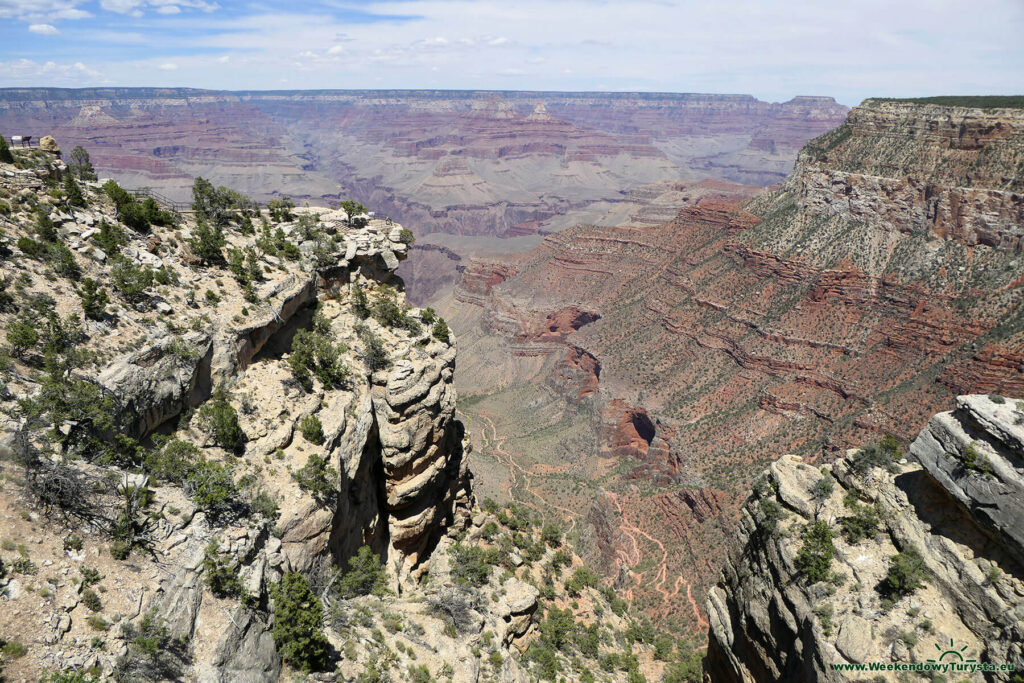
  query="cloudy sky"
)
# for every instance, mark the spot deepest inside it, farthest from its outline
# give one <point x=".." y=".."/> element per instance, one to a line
<point x="773" y="49"/>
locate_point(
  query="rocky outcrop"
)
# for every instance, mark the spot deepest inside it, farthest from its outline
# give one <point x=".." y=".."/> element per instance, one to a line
<point x="962" y="517"/>
<point x="159" y="382"/>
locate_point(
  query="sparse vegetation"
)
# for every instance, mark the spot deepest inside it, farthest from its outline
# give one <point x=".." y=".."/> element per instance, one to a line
<point x="365" y="575"/>
<point x="906" y="574"/>
<point x="312" y="430"/>
<point x="814" y="560"/>
<point x="319" y="480"/>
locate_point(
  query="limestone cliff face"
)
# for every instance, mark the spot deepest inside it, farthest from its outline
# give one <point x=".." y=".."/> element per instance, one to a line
<point x="955" y="499"/>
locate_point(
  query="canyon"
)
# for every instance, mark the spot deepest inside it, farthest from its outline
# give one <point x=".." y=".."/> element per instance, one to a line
<point x="461" y="167"/>
<point x="639" y="376"/>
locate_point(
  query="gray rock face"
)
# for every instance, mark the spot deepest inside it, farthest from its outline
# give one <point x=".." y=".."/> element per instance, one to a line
<point x="960" y="509"/>
<point x="992" y="490"/>
<point x="155" y="384"/>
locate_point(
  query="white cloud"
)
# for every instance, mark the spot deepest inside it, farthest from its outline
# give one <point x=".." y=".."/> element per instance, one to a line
<point x="43" y="29"/>
<point x="168" y="9"/>
<point x="26" y="72"/>
<point x="773" y="49"/>
<point x="168" y="66"/>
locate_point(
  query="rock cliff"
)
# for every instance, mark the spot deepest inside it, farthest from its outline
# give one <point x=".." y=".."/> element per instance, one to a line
<point x="202" y="413"/>
<point x="952" y="505"/>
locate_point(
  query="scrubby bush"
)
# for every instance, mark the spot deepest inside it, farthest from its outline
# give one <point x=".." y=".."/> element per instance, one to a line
<point x="298" y="624"/>
<point x="129" y="211"/>
<point x="883" y="454"/>
<point x="173" y="461"/>
<point x="861" y="524"/>
<point x="352" y="208"/>
<point x="219" y="420"/>
<point x="975" y="461"/>
<point x="313" y="355"/>
<point x="94" y="299"/>
<point x="130" y="280"/>
<point x="551" y="535"/>
<point x="110" y="238"/>
<point x="221" y="574"/>
<point x="5" y="151"/>
<point x="23" y="336"/>
<point x="360" y="304"/>
<point x="281" y="210"/>
<point x="472" y="564"/>
<point x="319" y="480"/>
<point x="211" y="487"/>
<point x="906" y="573"/>
<point x="441" y="331"/>
<point x="374" y="354"/>
<point x="814" y="559"/>
<point x="312" y="429"/>
<point x="219" y="205"/>
<point x="389" y="313"/>
<point x="365" y="575"/>
<point x="207" y="242"/>
<point x="72" y="192"/>
<point x="405" y="236"/>
<point x="154" y="654"/>
<point x="582" y="578"/>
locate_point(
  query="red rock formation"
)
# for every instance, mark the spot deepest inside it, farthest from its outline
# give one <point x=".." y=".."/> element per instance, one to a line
<point x="814" y="318"/>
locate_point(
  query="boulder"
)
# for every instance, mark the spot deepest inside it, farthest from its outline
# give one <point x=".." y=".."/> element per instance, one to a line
<point x="48" y="144"/>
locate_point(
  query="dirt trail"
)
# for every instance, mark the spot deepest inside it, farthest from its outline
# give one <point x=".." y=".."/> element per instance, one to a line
<point x="661" y="571"/>
<point x="495" y="445"/>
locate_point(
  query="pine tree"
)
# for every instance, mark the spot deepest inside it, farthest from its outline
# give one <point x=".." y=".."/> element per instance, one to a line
<point x="298" y="624"/>
<point x="72" y="191"/>
<point x="5" y="151"/>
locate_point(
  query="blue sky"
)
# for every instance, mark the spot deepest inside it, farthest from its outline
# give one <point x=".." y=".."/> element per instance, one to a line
<point x="772" y="49"/>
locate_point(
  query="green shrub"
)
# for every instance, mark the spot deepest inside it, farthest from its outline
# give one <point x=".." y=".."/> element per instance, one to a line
<point x="173" y="462"/>
<point x="23" y="565"/>
<point x="221" y="575"/>
<point x="298" y="624"/>
<point x="90" y="576"/>
<point x="441" y="332"/>
<point x="94" y="299"/>
<point x="814" y="560"/>
<point x="312" y="430"/>
<point x="211" y="487"/>
<point x="360" y="304"/>
<point x="313" y="355"/>
<point x="91" y="600"/>
<point x="129" y="211"/>
<point x="97" y="622"/>
<point x="13" y="649"/>
<point x="582" y="578"/>
<point x="374" y="354"/>
<point x="405" y="236"/>
<point x="45" y="230"/>
<point x="874" y="455"/>
<point x="207" y="242"/>
<point x="23" y="336"/>
<point x="686" y="670"/>
<point x="5" y="151"/>
<point x="862" y="524"/>
<point x="31" y="248"/>
<point x="387" y="311"/>
<point x="996" y="398"/>
<point x="64" y="262"/>
<point x="72" y="192"/>
<point x="551" y="535"/>
<point x="319" y="480"/>
<point x="974" y="461"/>
<point x="219" y="420"/>
<point x="110" y="238"/>
<point x="822" y="489"/>
<point x="365" y="575"/>
<point x="80" y="164"/>
<point x="772" y="514"/>
<point x="472" y="564"/>
<point x="68" y="676"/>
<point x="153" y="653"/>
<point x="906" y="574"/>
<point x="130" y="280"/>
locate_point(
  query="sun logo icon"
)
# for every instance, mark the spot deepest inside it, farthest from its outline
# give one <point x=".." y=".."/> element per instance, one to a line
<point x="951" y="651"/>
